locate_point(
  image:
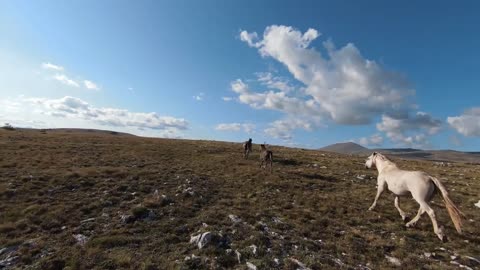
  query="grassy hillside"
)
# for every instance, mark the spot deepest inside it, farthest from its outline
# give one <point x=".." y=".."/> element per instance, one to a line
<point x="86" y="200"/>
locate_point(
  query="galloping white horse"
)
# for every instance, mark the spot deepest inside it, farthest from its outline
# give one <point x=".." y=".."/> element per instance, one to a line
<point x="419" y="184"/>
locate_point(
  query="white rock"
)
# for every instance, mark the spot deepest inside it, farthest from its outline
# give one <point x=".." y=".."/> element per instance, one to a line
<point x="461" y="265"/>
<point x="251" y="266"/>
<point x="201" y="240"/>
<point x="239" y="256"/>
<point x="254" y="249"/>
<point x="477" y="204"/>
<point x="301" y="266"/>
<point x="81" y="239"/>
<point x="235" y="219"/>
<point x="393" y="260"/>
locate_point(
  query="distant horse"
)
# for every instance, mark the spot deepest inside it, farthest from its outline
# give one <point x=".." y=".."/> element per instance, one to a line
<point x="419" y="184"/>
<point x="247" y="148"/>
<point x="266" y="156"/>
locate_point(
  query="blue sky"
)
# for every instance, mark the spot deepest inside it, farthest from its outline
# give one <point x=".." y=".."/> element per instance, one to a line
<point x="299" y="74"/>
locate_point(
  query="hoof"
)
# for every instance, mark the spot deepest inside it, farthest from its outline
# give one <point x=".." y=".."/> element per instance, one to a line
<point x="409" y="225"/>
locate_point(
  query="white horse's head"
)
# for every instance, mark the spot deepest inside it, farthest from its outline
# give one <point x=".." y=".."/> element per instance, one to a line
<point x="370" y="160"/>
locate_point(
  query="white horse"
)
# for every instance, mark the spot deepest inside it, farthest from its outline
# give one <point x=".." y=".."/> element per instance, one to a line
<point x="419" y="184"/>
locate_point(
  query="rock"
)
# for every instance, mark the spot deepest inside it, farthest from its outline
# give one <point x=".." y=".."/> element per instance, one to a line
<point x="461" y="265"/>
<point x="254" y="249"/>
<point x="393" y="260"/>
<point x="9" y="261"/>
<point x="473" y="259"/>
<point x="202" y="239"/>
<point x="127" y="219"/>
<point x="477" y="204"/>
<point x="361" y="177"/>
<point x="235" y="219"/>
<point x="301" y="266"/>
<point x="251" y="266"/>
<point x="239" y="256"/>
<point x="87" y="220"/>
<point x="323" y="167"/>
<point x="81" y="239"/>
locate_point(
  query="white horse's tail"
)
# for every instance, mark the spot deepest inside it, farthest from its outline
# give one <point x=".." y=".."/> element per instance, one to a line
<point x="455" y="213"/>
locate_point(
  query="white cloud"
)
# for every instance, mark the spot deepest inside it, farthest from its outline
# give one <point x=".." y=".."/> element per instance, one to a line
<point x="276" y="100"/>
<point x="90" y="85"/>
<point x="73" y="107"/>
<point x="65" y="80"/>
<point x="339" y="85"/>
<point x="199" y="97"/>
<point x="227" y="99"/>
<point x="410" y="130"/>
<point x="467" y="124"/>
<point x="249" y="38"/>
<point x="245" y="127"/>
<point x="282" y="129"/>
<point x="350" y="88"/>
<point x="273" y="82"/>
<point x="52" y="66"/>
<point x="374" y="140"/>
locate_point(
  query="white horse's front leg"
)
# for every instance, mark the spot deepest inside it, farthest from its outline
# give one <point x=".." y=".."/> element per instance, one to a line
<point x="380" y="189"/>
<point x="402" y="213"/>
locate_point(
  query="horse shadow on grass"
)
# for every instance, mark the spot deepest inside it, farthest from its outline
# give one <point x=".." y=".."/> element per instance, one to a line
<point x="288" y="162"/>
<point x="317" y="176"/>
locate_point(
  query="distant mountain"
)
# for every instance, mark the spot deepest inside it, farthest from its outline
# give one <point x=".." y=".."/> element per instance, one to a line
<point x="345" y="148"/>
<point x="350" y="148"/>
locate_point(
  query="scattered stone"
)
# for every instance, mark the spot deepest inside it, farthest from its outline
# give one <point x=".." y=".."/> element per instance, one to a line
<point x="393" y="260"/>
<point x="301" y="266"/>
<point x="63" y="228"/>
<point x="473" y="259"/>
<point x="127" y="219"/>
<point x="9" y="261"/>
<point x="239" y="256"/>
<point x="477" y="204"/>
<point x="361" y="177"/>
<point x="323" y="167"/>
<point x="87" y="220"/>
<point x="276" y="261"/>
<point x="461" y="265"/>
<point x="254" y="249"/>
<point x="277" y="220"/>
<point x="81" y="239"/>
<point x="235" y="219"/>
<point x="202" y="239"/>
<point x="251" y="266"/>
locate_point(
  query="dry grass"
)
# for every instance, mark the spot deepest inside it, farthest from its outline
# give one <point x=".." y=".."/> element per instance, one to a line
<point x="57" y="184"/>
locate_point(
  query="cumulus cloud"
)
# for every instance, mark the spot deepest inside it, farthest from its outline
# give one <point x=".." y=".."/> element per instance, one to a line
<point x="350" y="88"/>
<point x="410" y="130"/>
<point x="282" y="129"/>
<point x="246" y="127"/>
<point x="249" y="38"/>
<point x="339" y="85"/>
<point x="227" y="99"/>
<point x="76" y="108"/>
<point x="467" y="124"/>
<point x="52" y="66"/>
<point x="374" y="140"/>
<point x="273" y="82"/>
<point x="65" y="80"/>
<point x="90" y="85"/>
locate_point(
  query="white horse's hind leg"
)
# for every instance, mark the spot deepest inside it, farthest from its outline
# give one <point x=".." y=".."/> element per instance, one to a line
<point x="438" y="231"/>
<point x="414" y="221"/>
<point x="402" y="213"/>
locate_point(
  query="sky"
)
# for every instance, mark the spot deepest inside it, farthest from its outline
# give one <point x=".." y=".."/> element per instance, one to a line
<point x="294" y="73"/>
